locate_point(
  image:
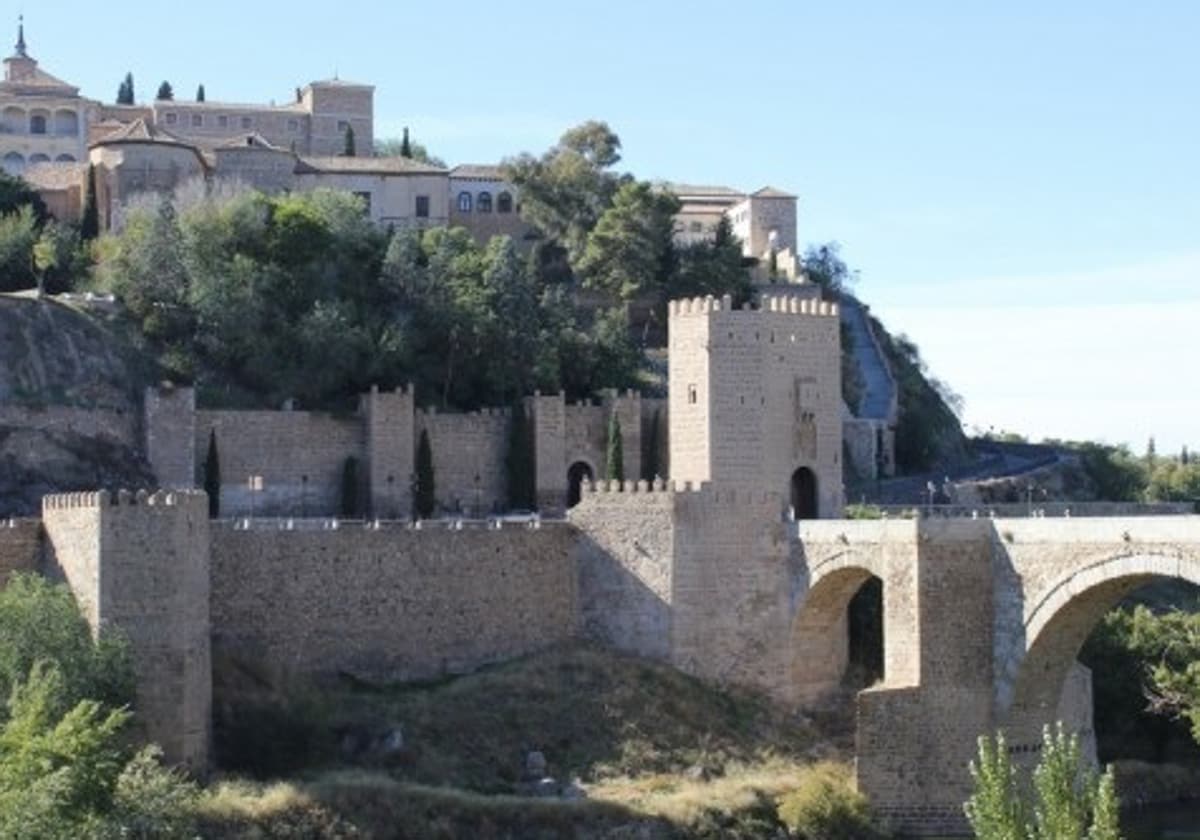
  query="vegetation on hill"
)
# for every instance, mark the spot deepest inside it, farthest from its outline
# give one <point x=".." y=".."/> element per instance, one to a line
<point x="646" y="745"/>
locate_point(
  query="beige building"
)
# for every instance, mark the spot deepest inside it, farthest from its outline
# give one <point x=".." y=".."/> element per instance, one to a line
<point x="764" y="220"/>
<point x="483" y="202"/>
<point x="42" y="119"/>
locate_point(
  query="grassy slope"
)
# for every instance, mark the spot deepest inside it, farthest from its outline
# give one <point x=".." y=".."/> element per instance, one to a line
<point x="656" y="751"/>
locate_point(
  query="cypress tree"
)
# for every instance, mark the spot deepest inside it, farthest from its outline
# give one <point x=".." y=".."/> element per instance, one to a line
<point x="423" y="494"/>
<point x="650" y="455"/>
<point x="125" y="91"/>
<point x="350" y="487"/>
<point x="615" y="455"/>
<point x="165" y="92"/>
<point x="349" y="150"/>
<point x="405" y="146"/>
<point x="89" y="224"/>
<point x="518" y="462"/>
<point x="1183" y="455"/>
<point x="212" y="476"/>
<point x="200" y="93"/>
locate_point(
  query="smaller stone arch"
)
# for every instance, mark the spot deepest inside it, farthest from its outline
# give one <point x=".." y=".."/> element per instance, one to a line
<point x="39" y="122"/>
<point x="38" y="158"/>
<point x="465" y="201"/>
<point x="66" y="123"/>
<point x="504" y="202"/>
<point x="15" y="120"/>
<point x="803" y="494"/>
<point x="484" y="202"/>
<point x="65" y="158"/>
<point x="14" y="163"/>
<point x="579" y="472"/>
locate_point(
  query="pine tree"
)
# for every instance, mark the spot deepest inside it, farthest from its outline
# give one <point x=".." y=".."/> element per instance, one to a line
<point x="89" y="223"/>
<point x="200" y="93"/>
<point x="350" y="488"/>
<point x="212" y="476"/>
<point x="405" y="146"/>
<point x="165" y="93"/>
<point x="615" y="454"/>
<point x="518" y="462"/>
<point x="424" y="498"/>
<point x="349" y="150"/>
<point x="125" y="91"/>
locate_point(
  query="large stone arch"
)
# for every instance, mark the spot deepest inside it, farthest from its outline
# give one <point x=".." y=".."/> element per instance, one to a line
<point x="819" y="640"/>
<point x="1059" y="623"/>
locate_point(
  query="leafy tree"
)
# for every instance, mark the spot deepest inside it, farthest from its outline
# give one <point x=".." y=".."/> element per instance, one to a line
<point x="823" y="265"/>
<point x="60" y="258"/>
<point x="567" y="189"/>
<point x="89" y="224"/>
<point x="350" y="503"/>
<point x="424" y="495"/>
<point x="1070" y="801"/>
<point x="200" y="93"/>
<point x="16" y="193"/>
<point x="125" y="93"/>
<point x="629" y="250"/>
<point x="714" y="267"/>
<point x="40" y="622"/>
<point x="1174" y="481"/>
<point x="165" y="93"/>
<point x="614" y="456"/>
<point x="212" y="476"/>
<point x="393" y="147"/>
<point x="18" y="234"/>
<point x="348" y="149"/>
<point x="518" y="461"/>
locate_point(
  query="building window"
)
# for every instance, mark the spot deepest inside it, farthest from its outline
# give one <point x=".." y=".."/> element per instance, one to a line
<point x="504" y="202"/>
<point x="365" y="197"/>
<point x="247" y="122"/>
<point x="464" y="202"/>
<point x="695" y="227"/>
<point x="343" y="126"/>
<point x="691" y="394"/>
<point x="172" y="119"/>
<point x="293" y="126"/>
<point x="197" y="120"/>
<point x="422" y="207"/>
<point x="223" y="121"/>
<point x="37" y="124"/>
<point x="485" y="202"/>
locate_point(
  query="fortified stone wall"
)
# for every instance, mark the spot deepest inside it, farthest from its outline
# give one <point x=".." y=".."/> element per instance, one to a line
<point x="468" y="459"/>
<point x="393" y="603"/>
<point x="586" y="435"/>
<point x="140" y="565"/>
<point x="170" y="432"/>
<point x="299" y="454"/>
<point x="20" y="547"/>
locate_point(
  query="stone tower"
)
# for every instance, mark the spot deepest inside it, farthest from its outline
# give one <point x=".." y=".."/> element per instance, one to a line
<point x="755" y="399"/>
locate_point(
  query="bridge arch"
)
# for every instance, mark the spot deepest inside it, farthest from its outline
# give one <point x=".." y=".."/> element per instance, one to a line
<point x="820" y="639"/>
<point x="1059" y="623"/>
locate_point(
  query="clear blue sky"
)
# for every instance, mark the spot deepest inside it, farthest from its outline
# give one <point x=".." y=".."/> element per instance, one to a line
<point x="1018" y="183"/>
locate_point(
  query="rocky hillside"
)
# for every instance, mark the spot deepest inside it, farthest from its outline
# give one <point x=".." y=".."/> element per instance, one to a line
<point x="70" y="404"/>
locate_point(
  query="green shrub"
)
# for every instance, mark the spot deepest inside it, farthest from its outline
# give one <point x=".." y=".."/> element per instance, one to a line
<point x="826" y="807"/>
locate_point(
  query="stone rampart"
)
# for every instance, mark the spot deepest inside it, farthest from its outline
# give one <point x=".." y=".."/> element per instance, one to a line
<point x="300" y="456"/>
<point x="20" y="547"/>
<point x="394" y="602"/>
<point x="468" y="458"/>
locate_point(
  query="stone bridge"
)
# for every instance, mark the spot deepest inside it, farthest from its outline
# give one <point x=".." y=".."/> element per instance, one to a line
<point x="983" y="620"/>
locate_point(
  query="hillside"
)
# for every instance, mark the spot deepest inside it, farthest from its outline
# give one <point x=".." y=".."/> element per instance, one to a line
<point x="70" y="404"/>
<point x="577" y="741"/>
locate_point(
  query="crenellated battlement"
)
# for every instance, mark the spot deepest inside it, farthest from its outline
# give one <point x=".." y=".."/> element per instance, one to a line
<point x="125" y="498"/>
<point x="781" y="304"/>
<point x="703" y="491"/>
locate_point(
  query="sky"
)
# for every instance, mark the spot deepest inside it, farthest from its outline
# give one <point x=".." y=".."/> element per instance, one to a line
<point x="1017" y="184"/>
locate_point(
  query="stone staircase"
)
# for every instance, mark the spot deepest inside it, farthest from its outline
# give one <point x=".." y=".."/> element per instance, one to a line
<point x="879" y="397"/>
